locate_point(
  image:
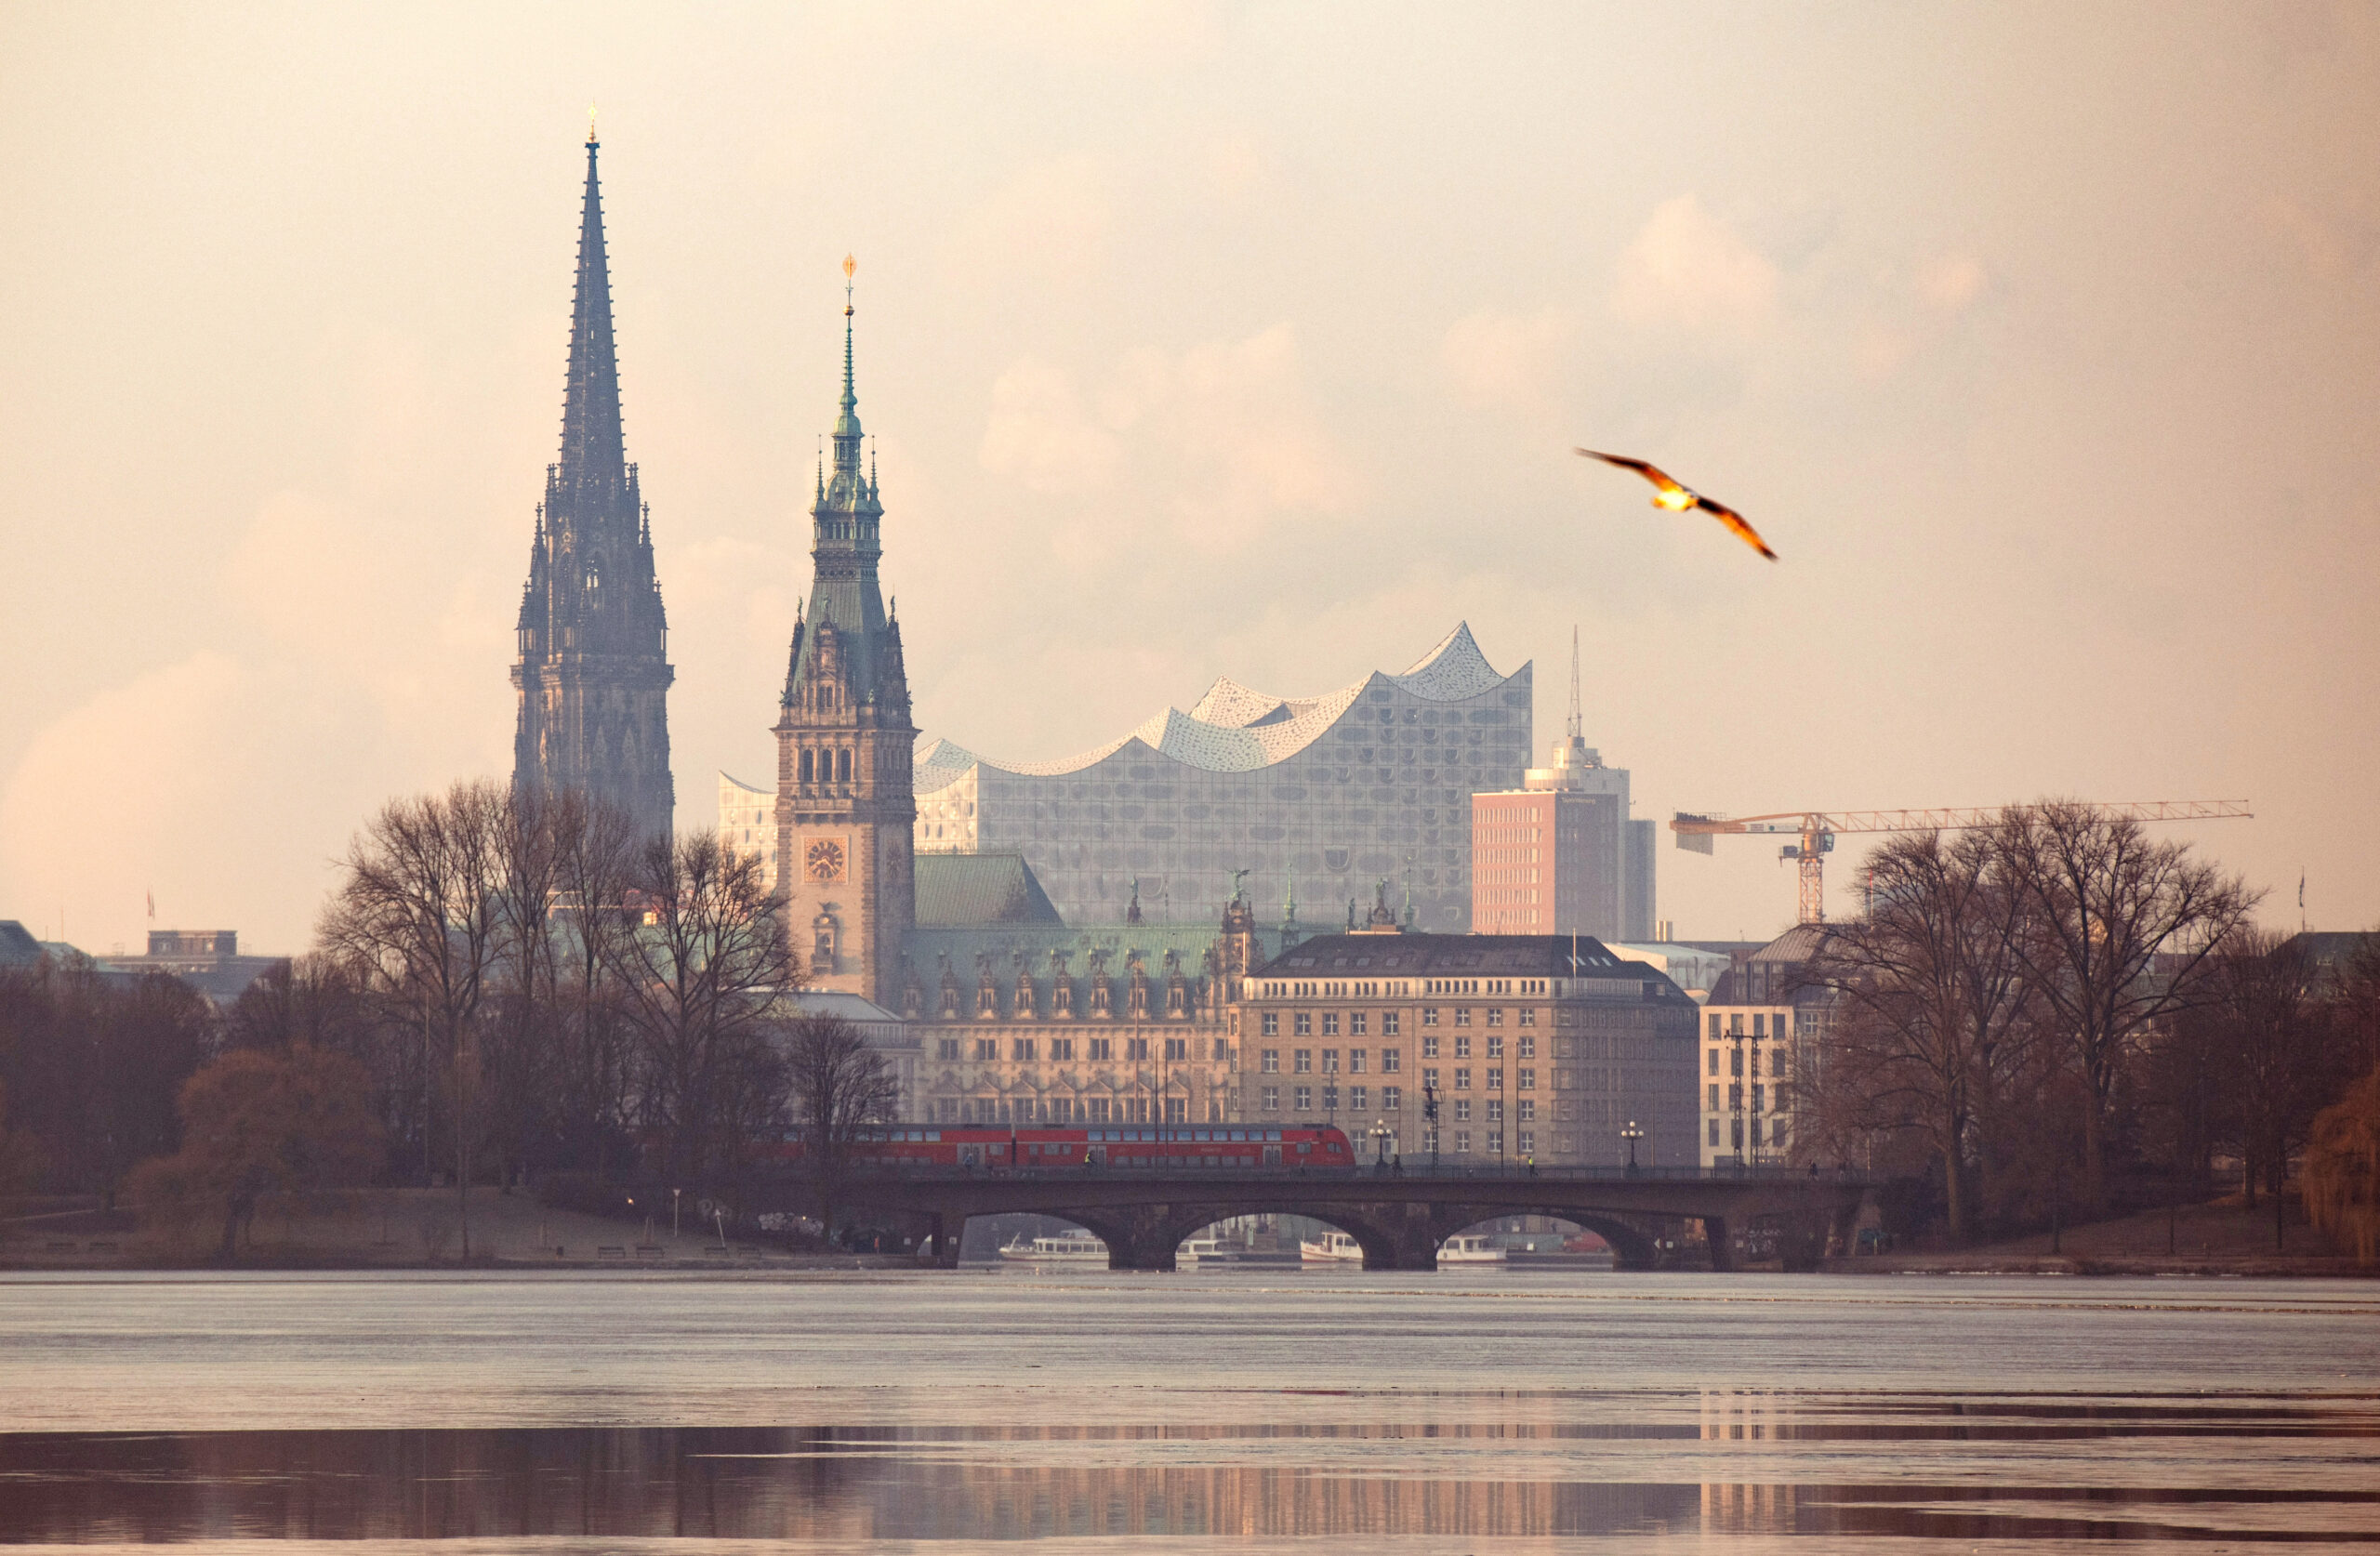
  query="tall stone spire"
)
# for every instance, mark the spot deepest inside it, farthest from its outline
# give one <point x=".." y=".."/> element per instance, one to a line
<point x="1576" y="728"/>
<point x="593" y="455"/>
<point x="593" y="672"/>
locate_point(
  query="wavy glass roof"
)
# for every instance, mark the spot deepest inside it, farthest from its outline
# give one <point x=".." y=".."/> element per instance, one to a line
<point x="1235" y="729"/>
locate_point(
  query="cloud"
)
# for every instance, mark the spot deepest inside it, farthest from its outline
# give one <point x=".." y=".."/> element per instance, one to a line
<point x="1950" y="281"/>
<point x="1051" y="221"/>
<point x="1687" y="269"/>
<point x="1509" y="360"/>
<point x="1220" y="441"/>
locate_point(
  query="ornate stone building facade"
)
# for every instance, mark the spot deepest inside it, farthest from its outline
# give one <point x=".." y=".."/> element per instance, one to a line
<point x="593" y="673"/>
<point x="844" y="810"/>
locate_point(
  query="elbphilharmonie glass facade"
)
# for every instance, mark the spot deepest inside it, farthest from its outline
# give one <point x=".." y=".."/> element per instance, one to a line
<point x="1324" y="797"/>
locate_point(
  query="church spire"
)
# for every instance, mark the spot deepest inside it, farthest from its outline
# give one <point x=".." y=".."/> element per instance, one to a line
<point x="593" y="460"/>
<point x="1577" y="729"/>
<point x="847" y="433"/>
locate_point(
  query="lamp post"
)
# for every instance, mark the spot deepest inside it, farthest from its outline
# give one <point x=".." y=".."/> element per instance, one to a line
<point x="673" y="1214"/>
<point x="1631" y="1134"/>
<point x="1429" y="1118"/>
<point x="1380" y="1134"/>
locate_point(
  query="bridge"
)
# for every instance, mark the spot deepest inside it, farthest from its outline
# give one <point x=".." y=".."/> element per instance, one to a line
<point x="1399" y="1218"/>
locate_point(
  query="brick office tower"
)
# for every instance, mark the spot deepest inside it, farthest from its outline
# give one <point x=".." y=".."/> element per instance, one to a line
<point x="846" y="813"/>
<point x="594" y="673"/>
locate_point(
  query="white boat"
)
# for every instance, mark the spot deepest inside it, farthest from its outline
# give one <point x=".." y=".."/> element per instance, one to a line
<point x="1336" y="1247"/>
<point x="1200" y="1251"/>
<point x="1470" y="1251"/>
<point x="1066" y="1247"/>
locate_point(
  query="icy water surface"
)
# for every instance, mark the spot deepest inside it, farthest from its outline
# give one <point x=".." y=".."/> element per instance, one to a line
<point x="1213" y="1412"/>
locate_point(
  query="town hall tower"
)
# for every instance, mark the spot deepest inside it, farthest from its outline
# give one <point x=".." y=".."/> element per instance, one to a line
<point x="845" y="812"/>
<point x="593" y="673"/>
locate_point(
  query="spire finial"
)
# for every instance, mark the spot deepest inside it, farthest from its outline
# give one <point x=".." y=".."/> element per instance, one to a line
<point x="591" y="125"/>
<point x="1578" y="726"/>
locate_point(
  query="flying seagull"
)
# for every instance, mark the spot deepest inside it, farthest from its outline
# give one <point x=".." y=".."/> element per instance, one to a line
<point x="1677" y="498"/>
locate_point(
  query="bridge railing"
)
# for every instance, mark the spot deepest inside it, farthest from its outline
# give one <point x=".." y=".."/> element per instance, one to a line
<point x="1512" y="1173"/>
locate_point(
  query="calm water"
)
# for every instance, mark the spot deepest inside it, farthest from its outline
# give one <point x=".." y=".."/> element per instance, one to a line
<point x="1212" y="1412"/>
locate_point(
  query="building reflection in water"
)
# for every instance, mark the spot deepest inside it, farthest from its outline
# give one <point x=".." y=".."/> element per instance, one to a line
<point x="1748" y="1507"/>
<point x="830" y="1484"/>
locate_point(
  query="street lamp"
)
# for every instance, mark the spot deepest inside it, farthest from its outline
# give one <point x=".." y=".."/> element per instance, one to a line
<point x="1382" y="1134"/>
<point x="1631" y="1134"/>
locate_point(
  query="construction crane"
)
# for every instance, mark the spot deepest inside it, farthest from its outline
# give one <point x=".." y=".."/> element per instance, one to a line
<point x="1817" y="829"/>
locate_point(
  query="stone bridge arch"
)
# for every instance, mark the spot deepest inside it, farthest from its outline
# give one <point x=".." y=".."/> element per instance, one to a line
<point x="1632" y="1247"/>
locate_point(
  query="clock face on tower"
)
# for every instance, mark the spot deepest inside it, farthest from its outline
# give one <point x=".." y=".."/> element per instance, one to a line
<point x="826" y="860"/>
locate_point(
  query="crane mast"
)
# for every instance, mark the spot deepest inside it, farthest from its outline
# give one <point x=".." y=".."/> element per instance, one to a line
<point x="1815" y="831"/>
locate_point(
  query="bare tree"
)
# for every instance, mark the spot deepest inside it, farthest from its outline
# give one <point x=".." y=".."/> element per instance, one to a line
<point x="2119" y="926"/>
<point x="841" y="1087"/>
<point x="420" y="910"/>
<point x="705" y="972"/>
<point x="2273" y="1053"/>
<point x="1932" y="1000"/>
<point x="595" y="922"/>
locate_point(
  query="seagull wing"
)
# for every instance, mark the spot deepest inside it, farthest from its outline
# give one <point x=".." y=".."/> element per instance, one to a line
<point x="1736" y="523"/>
<point x="1651" y="472"/>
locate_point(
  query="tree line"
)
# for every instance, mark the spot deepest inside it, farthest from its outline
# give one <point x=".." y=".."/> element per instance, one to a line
<point x="514" y="984"/>
<point x="2061" y="1013"/>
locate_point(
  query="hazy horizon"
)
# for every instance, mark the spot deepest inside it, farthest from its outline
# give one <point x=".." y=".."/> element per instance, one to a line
<point x="1200" y="342"/>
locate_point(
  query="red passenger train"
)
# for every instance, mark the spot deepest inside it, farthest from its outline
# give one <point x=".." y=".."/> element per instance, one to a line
<point x="1173" y="1145"/>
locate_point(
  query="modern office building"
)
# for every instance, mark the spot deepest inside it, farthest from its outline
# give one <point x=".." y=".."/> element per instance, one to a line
<point x="1312" y="799"/>
<point x="1560" y="854"/>
<point x="1536" y="1048"/>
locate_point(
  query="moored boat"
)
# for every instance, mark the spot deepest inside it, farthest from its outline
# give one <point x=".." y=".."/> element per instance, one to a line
<point x="1066" y="1247"/>
<point x="1471" y="1250"/>
<point x="1333" y="1248"/>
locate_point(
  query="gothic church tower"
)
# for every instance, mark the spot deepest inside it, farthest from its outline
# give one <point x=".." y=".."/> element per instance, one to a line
<point x="846" y="815"/>
<point x="593" y="673"/>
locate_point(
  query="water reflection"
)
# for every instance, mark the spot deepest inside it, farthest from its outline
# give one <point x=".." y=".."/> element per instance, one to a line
<point x="1500" y="1481"/>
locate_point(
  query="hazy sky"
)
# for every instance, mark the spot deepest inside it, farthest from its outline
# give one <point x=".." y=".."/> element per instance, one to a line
<point x="2042" y="342"/>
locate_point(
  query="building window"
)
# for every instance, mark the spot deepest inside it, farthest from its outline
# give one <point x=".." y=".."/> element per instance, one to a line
<point x="1021" y="1048"/>
<point x="1301" y="1024"/>
<point x="1136" y="1048"/>
<point x="1759" y="1098"/>
<point x="1526" y="1047"/>
<point x="1495" y="1077"/>
<point x="1462" y="1110"/>
<point x="1463" y="1048"/>
<point x="1330" y="1098"/>
<point x="1301" y="1061"/>
<point x="1391" y="1061"/>
<point x="1429" y="1078"/>
<point x="1736" y="1128"/>
<point x="1273" y="1105"/>
<point x="1330" y="1061"/>
<point x="1392" y="1098"/>
<point x="948" y="1049"/>
<point x="1495" y="1017"/>
<point x="1355" y="1062"/>
<point x="1495" y="1110"/>
<point x="1715" y="1096"/>
<point x="1463" y="1015"/>
<point x="1529" y="1017"/>
<point x="1330" y="1024"/>
<point x="1390" y="1022"/>
<point x="1429" y="1048"/>
<point x="1269" y="1062"/>
<point x="1269" y="1025"/>
<point x="1496" y="1046"/>
<point x="1462" y="1078"/>
<point x="1525" y="1079"/>
<point x="1776" y="1133"/>
<point x="1062" y="1048"/>
<point x="1526" y="1111"/>
<point x="1177" y="1049"/>
<point x="986" y="1048"/>
<point x="1103" y="1047"/>
<point x="1715" y="1033"/>
<point x="1356" y="1022"/>
<point x="1735" y="1062"/>
<point x="1462" y="1141"/>
<point x="1525" y="1141"/>
<point x="1358" y="1099"/>
<point x="1429" y="1015"/>
<point x="1303" y="1102"/>
<point x="1714" y="1132"/>
<point x="1777" y="1062"/>
<point x="1223" y="1051"/>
